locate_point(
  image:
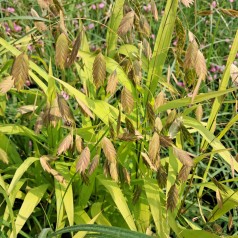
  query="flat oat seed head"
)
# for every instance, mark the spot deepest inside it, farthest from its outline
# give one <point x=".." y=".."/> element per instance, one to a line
<point x="183" y="156"/>
<point x="126" y="23"/>
<point x="112" y="83"/>
<point x="65" y="110"/>
<point x="154" y="147"/>
<point x="172" y="198"/>
<point x="109" y="150"/>
<point x="66" y="143"/>
<point x="75" y="49"/>
<point x="99" y="70"/>
<point x="62" y="49"/>
<point x="83" y="161"/>
<point x="20" y="70"/>
<point x="187" y="3"/>
<point x="93" y="165"/>
<point x="127" y="100"/>
<point x="6" y="84"/>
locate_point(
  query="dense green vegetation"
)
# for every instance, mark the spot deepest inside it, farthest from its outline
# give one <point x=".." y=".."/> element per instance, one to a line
<point x="118" y="118"/>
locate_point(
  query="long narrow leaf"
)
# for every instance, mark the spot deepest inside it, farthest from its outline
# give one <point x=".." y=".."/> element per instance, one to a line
<point x="119" y="200"/>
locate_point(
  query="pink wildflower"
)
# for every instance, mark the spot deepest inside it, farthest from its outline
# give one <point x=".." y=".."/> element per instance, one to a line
<point x="17" y="28"/>
<point x="90" y="26"/>
<point x="214" y="4"/>
<point x="10" y="9"/>
<point x="101" y="5"/>
<point x="93" y="6"/>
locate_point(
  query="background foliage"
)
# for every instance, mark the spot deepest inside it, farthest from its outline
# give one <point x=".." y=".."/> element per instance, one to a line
<point x="118" y="118"/>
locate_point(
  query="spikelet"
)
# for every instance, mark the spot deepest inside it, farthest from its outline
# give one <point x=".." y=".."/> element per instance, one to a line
<point x="106" y="170"/>
<point x="148" y="161"/>
<point x="65" y="110"/>
<point x="137" y="73"/>
<point x="165" y="141"/>
<point x="78" y="143"/>
<point x="190" y="77"/>
<point x="234" y="74"/>
<point x="126" y="176"/>
<point x="75" y="50"/>
<point x="62" y="49"/>
<point x="190" y="55"/>
<point x="219" y="198"/>
<point x="180" y="34"/>
<point x="144" y="26"/>
<point x="158" y="124"/>
<point x="111" y="129"/>
<point x="187" y="3"/>
<point x="184" y="173"/>
<point x="230" y="222"/>
<point x="136" y="194"/>
<point x="46" y="166"/>
<point x="6" y="84"/>
<point x="58" y="176"/>
<point x="93" y="165"/>
<point x="154" y="146"/>
<point x="171" y="117"/>
<point x="83" y="161"/>
<point x="200" y="65"/>
<point x="109" y="150"/>
<point x="129" y="126"/>
<point x="150" y="114"/>
<point x="127" y="100"/>
<point x="113" y="170"/>
<point x="44" y="163"/>
<point x="45" y="4"/>
<point x="65" y="144"/>
<point x="3" y="156"/>
<point x="172" y="198"/>
<point x="229" y="12"/>
<point x="20" y="70"/>
<point x="126" y="23"/>
<point x="99" y="70"/>
<point x="147" y="49"/>
<point x="112" y="83"/>
<point x="175" y="127"/>
<point x="154" y="10"/>
<point x="219" y="185"/>
<point x="54" y="114"/>
<point x="39" y="123"/>
<point x="86" y="111"/>
<point x="130" y="137"/>
<point x="61" y="24"/>
<point x="199" y="112"/>
<point x="119" y="121"/>
<point x="159" y="100"/>
<point x="161" y="177"/>
<point x="40" y="26"/>
<point x="183" y="156"/>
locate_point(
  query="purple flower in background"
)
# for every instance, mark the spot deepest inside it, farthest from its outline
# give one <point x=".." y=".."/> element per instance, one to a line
<point x="94" y="7"/>
<point x="90" y="26"/>
<point x="213" y="69"/>
<point x="30" y="48"/>
<point x="17" y="28"/>
<point x="181" y="84"/>
<point x="152" y="36"/>
<point x="7" y="28"/>
<point x="214" y="4"/>
<point x="10" y="9"/>
<point x="175" y="42"/>
<point x="65" y="95"/>
<point x="101" y="5"/>
<point x="147" y="8"/>
<point x="231" y="0"/>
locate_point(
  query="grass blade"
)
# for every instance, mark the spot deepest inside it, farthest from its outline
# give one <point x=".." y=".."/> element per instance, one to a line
<point x="119" y="200"/>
